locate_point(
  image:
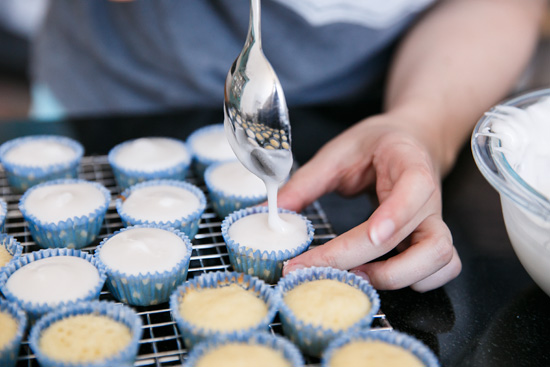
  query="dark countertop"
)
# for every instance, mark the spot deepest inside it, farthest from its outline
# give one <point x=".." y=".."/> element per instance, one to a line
<point x="493" y="314"/>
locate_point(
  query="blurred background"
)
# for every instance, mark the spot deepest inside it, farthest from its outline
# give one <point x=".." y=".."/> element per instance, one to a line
<point x="19" y="20"/>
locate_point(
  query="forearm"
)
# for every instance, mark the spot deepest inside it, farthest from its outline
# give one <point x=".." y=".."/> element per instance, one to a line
<point x="454" y="64"/>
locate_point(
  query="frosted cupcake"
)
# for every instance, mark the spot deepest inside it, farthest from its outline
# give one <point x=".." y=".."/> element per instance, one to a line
<point x="320" y="304"/>
<point x="209" y="145"/>
<point x="13" y="322"/>
<point x="378" y="349"/>
<point x="232" y="187"/>
<point x="143" y="159"/>
<point x="222" y="303"/>
<point x="10" y="249"/>
<point x="3" y="213"/>
<point x="144" y="264"/>
<point x="247" y="350"/>
<point x="31" y="160"/>
<point x="87" y="334"/>
<point x="65" y="213"/>
<point x="44" y="280"/>
<point x="170" y="203"/>
<point x="255" y="248"/>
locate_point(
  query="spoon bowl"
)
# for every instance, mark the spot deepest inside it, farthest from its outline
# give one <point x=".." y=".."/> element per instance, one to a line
<point x="255" y="112"/>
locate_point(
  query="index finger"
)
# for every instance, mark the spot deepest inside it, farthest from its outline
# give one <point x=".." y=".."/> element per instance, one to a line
<point x="393" y="221"/>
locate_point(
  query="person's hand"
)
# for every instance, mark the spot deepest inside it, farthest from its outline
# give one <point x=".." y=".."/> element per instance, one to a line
<point x="378" y="153"/>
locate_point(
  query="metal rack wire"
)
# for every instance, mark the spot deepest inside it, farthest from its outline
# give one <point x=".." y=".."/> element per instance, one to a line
<point x="161" y="344"/>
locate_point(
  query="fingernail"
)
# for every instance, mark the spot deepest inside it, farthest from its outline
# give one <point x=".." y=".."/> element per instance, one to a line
<point x="287" y="268"/>
<point x="381" y="233"/>
<point x="361" y="274"/>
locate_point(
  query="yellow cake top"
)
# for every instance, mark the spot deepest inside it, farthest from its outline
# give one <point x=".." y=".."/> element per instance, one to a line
<point x="84" y="338"/>
<point x="5" y="256"/>
<point x="243" y="355"/>
<point x="373" y="353"/>
<point x="8" y="329"/>
<point x="224" y="308"/>
<point x="328" y="303"/>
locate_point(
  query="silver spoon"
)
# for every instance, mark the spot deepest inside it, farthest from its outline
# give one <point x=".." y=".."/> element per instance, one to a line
<point x="255" y="111"/>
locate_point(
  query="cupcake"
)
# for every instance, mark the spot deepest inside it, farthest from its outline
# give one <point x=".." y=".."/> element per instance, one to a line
<point x="246" y="350"/>
<point x="44" y="280"/>
<point x="10" y="249"/>
<point x="232" y="187"/>
<point x="145" y="264"/>
<point x="255" y="248"/>
<point x="3" y="213"/>
<point x="222" y="303"/>
<point x="378" y="349"/>
<point x="87" y="334"/>
<point x="209" y="145"/>
<point x="320" y="304"/>
<point x="170" y="203"/>
<point x="31" y="160"/>
<point x="149" y="158"/>
<point x="65" y="213"/>
<point x="13" y="322"/>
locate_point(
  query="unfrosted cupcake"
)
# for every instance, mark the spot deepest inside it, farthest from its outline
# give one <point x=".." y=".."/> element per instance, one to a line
<point x="13" y="323"/>
<point x="31" y="160"/>
<point x="255" y="248"/>
<point x="232" y="187"/>
<point x="222" y="303"/>
<point x="44" y="280"/>
<point x="172" y="203"/>
<point x="320" y="304"/>
<point x="3" y="213"/>
<point x="209" y="145"/>
<point x="87" y="334"/>
<point x="149" y="158"/>
<point x="65" y="213"/>
<point x="378" y="349"/>
<point x="246" y="350"/>
<point x="144" y="264"/>
<point x="10" y="249"/>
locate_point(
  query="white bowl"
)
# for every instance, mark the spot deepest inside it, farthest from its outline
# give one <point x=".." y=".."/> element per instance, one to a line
<point x="526" y="212"/>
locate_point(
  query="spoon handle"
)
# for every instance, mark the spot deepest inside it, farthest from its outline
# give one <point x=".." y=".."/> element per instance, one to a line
<point x="254" y="29"/>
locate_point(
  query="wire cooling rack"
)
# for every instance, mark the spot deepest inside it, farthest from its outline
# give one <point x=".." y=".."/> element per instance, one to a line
<point x="161" y="344"/>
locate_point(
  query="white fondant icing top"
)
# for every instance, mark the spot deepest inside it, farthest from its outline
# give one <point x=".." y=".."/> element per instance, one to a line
<point x="53" y="280"/>
<point x="143" y="250"/>
<point x="151" y="154"/>
<point x="234" y="179"/>
<point x="54" y="203"/>
<point x="213" y="145"/>
<point x="40" y="153"/>
<point x="160" y="203"/>
<point x="254" y="231"/>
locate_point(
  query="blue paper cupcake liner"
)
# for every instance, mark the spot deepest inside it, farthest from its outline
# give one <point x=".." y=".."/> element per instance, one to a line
<point x="193" y="334"/>
<point x="34" y="309"/>
<point x="3" y="213"/>
<point x="188" y="225"/>
<point x="405" y="341"/>
<point x="10" y="351"/>
<point x="129" y="177"/>
<point x="266" y="265"/>
<point x="223" y="202"/>
<point x="11" y="245"/>
<point x="150" y="288"/>
<point x="116" y="312"/>
<point x="200" y="163"/>
<point x="76" y="232"/>
<point x="21" y="177"/>
<point x="278" y="343"/>
<point x="312" y="340"/>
